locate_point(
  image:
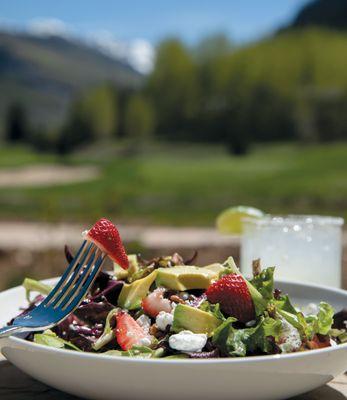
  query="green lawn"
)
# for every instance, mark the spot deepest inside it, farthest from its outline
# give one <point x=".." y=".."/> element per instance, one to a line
<point x="21" y="156"/>
<point x="186" y="185"/>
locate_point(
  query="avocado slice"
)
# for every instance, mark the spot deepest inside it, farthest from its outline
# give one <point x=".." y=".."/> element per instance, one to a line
<point x="194" y="320"/>
<point x="216" y="267"/>
<point x="185" y="277"/>
<point x="121" y="273"/>
<point x="132" y="294"/>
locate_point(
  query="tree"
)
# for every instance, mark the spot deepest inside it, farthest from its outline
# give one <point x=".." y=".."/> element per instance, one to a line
<point x="269" y="115"/>
<point x="212" y="47"/>
<point x="16" y="123"/>
<point x="213" y="71"/>
<point x="173" y="87"/>
<point x="92" y="116"/>
<point x="77" y="131"/>
<point x="99" y="106"/>
<point x="138" y="118"/>
<point x="236" y="128"/>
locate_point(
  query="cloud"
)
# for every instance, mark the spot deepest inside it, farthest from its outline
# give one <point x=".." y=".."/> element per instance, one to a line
<point x="139" y="53"/>
<point x="48" y="27"/>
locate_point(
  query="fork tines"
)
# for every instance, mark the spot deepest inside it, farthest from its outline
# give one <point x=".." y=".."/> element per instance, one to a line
<point x="77" y="278"/>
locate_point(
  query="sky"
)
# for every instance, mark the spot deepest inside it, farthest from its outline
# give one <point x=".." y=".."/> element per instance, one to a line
<point x="135" y="26"/>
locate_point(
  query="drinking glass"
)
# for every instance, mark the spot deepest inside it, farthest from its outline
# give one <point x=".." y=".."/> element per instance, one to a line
<point x="303" y="248"/>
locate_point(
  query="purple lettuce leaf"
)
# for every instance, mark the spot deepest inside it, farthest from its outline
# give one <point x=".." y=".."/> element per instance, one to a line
<point x="205" y="354"/>
<point x="78" y="332"/>
<point x="92" y="312"/>
<point x="196" y="303"/>
<point x="110" y="292"/>
<point x="340" y="319"/>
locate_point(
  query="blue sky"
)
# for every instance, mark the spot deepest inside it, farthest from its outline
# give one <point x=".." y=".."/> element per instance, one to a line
<point x="152" y="20"/>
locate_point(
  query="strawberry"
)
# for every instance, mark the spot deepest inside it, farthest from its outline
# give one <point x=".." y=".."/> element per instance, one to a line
<point x="155" y="302"/>
<point x="128" y="332"/>
<point x="106" y="236"/>
<point x="232" y="293"/>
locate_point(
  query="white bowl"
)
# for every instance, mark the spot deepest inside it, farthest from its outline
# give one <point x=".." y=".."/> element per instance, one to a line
<point x="95" y="376"/>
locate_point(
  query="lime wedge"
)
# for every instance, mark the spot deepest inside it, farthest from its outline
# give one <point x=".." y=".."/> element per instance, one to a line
<point x="230" y="220"/>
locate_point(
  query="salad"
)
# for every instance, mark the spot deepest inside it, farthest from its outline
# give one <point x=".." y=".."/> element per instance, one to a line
<point x="168" y="307"/>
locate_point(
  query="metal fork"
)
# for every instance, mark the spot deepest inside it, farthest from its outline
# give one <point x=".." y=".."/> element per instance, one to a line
<point x="65" y="297"/>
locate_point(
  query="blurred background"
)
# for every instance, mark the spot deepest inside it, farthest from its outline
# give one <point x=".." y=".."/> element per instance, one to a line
<point x="159" y="115"/>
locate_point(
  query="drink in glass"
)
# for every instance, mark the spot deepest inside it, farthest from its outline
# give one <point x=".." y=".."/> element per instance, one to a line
<point x="303" y="248"/>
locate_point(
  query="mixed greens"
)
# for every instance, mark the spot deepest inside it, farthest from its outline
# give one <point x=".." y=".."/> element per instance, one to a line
<point x="166" y="307"/>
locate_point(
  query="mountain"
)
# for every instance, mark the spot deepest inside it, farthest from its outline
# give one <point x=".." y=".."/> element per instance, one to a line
<point x="44" y="73"/>
<point x="325" y="13"/>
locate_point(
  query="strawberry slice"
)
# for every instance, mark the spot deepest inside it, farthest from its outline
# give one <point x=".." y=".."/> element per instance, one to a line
<point x="128" y="332"/>
<point x="106" y="236"/>
<point x="155" y="302"/>
<point x="232" y="293"/>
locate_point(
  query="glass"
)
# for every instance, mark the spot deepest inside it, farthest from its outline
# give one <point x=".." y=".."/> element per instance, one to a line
<point x="303" y="248"/>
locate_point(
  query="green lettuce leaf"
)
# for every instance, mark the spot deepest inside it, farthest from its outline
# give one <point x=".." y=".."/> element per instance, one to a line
<point x="213" y="309"/>
<point x="177" y="356"/>
<point x="297" y="320"/>
<point x="310" y="325"/>
<point x="335" y="333"/>
<point x="108" y="333"/>
<point x="264" y="283"/>
<point x="49" y="338"/>
<point x="283" y="303"/>
<point x="231" y="341"/>
<point x="32" y="285"/>
<point x="322" y="322"/>
<point x="137" y="352"/>
<point x="259" y="339"/>
<point x="339" y="334"/>
<point x="240" y="342"/>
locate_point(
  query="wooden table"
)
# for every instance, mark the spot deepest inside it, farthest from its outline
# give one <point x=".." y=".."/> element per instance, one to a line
<point x="15" y="385"/>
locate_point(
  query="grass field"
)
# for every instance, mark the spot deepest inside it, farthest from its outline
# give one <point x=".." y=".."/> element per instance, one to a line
<point x="185" y="185"/>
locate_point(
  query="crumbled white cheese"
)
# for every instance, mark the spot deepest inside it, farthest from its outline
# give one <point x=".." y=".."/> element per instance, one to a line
<point x="251" y="323"/>
<point x="188" y="341"/>
<point x="290" y="337"/>
<point x="164" y="320"/>
<point x="144" y="322"/>
<point x="145" y="341"/>
<point x="310" y="309"/>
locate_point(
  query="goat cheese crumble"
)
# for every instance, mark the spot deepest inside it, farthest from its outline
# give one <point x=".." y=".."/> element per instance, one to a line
<point x="291" y="340"/>
<point x="187" y="341"/>
<point x="144" y="322"/>
<point x="164" y="320"/>
<point x="146" y="341"/>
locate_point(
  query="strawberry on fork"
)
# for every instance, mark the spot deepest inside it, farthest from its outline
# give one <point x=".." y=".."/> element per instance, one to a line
<point x="106" y="236"/>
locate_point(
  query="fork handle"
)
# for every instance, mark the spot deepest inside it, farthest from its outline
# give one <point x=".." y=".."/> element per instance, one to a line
<point x="9" y="330"/>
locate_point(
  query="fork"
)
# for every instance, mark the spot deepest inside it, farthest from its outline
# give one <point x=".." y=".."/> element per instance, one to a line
<point x="65" y="297"/>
